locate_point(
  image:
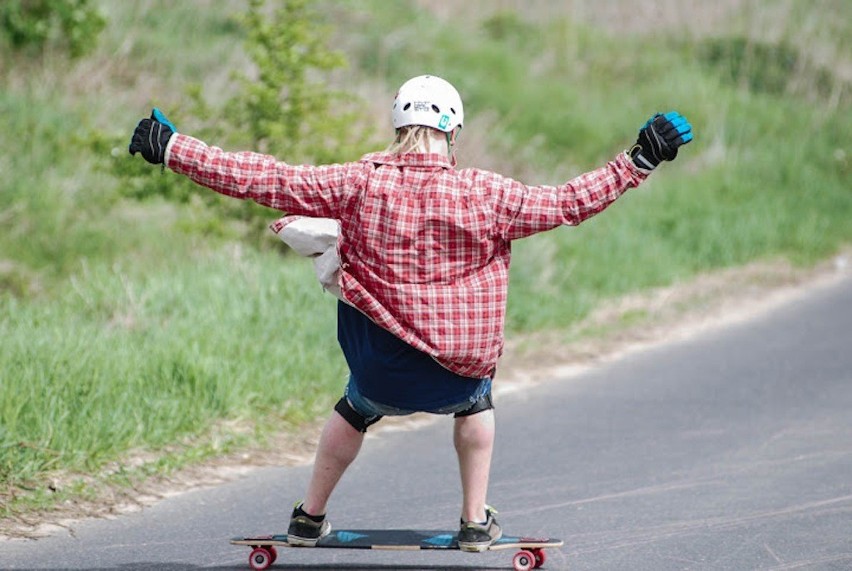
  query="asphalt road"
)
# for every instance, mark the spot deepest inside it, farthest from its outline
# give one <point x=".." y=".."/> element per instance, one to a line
<point x="730" y="451"/>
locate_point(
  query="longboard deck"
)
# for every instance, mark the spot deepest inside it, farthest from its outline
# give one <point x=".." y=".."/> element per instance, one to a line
<point x="397" y="539"/>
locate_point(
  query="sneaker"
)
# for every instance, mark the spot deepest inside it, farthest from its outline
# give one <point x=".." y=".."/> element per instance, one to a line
<point x="305" y="529"/>
<point x="475" y="536"/>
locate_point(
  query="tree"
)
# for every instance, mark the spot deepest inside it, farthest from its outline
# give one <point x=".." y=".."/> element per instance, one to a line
<point x="284" y="107"/>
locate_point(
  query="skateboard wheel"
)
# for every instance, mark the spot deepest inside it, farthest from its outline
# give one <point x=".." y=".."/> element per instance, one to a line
<point x="273" y="553"/>
<point x="524" y="561"/>
<point x="260" y="558"/>
<point x="540" y="557"/>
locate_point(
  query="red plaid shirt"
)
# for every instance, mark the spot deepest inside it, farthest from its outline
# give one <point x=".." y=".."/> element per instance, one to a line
<point x="424" y="248"/>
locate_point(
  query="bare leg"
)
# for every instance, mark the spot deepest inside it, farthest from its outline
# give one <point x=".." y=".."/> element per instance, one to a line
<point x="338" y="447"/>
<point x="474" y="440"/>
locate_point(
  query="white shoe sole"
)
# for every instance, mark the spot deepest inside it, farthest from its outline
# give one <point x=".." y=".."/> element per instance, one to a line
<point x="306" y="541"/>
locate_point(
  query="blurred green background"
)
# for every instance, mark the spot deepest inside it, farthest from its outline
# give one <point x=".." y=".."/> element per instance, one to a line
<point x="138" y="312"/>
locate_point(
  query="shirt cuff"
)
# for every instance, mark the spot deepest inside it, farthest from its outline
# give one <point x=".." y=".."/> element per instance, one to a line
<point x="638" y="169"/>
<point x="171" y="142"/>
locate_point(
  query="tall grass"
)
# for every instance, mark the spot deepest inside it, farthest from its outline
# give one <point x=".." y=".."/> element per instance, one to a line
<point x="135" y="325"/>
<point x="115" y="364"/>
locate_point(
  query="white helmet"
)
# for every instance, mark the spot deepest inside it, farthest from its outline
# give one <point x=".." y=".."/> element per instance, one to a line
<point x="428" y="100"/>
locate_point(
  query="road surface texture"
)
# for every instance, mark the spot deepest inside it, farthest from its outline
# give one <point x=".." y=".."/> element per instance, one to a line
<point x="728" y="451"/>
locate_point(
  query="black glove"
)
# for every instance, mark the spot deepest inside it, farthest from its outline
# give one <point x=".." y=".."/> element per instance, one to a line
<point x="151" y="137"/>
<point x="659" y="139"/>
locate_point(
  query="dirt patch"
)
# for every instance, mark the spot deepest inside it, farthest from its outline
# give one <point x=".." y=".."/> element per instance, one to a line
<point x="630" y="324"/>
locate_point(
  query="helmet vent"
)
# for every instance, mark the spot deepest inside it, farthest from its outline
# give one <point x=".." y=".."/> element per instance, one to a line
<point x="428" y="101"/>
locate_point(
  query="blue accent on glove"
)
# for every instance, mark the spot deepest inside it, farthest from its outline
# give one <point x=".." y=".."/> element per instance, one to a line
<point x="151" y="137"/>
<point x="659" y="139"/>
<point x="158" y="115"/>
<point x="679" y="122"/>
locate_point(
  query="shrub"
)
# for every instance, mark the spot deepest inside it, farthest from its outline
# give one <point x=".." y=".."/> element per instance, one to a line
<point x="71" y="25"/>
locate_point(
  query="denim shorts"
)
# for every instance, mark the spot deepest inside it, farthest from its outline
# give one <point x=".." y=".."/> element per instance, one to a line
<point x="371" y="409"/>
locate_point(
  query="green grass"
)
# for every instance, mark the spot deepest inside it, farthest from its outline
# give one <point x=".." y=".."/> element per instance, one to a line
<point x="149" y="325"/>
<point x="114" y="365"/>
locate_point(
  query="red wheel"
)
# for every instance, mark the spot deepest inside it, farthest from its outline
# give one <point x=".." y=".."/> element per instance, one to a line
<point x="273" y="553"/>
<point x="523" y="561"/>
<point x="260" y="558"/>
<point x="540" y="557"/>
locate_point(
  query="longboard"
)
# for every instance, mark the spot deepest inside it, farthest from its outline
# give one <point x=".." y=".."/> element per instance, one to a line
<point x="531" y="554"/>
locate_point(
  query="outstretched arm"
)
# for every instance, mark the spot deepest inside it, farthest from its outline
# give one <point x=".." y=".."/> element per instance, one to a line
<point x="534" y="209"/>
<point x="297" y="189"/>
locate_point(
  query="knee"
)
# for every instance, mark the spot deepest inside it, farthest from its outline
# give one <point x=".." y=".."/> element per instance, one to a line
<point x="355" y="419"/>
<point x="476" y="430"/>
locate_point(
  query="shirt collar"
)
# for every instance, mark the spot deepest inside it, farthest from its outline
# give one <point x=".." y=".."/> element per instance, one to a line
<point x="408" y="160"/>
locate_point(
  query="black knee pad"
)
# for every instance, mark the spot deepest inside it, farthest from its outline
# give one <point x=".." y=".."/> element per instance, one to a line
<point x="484" y="403"/>
<point x="353" y="417"/>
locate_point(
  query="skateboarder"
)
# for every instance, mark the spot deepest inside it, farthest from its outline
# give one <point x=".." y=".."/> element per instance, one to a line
<point x="424" y="254"/>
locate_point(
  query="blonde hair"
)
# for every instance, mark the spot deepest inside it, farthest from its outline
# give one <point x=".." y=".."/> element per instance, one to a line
<point x="413" y="139"/>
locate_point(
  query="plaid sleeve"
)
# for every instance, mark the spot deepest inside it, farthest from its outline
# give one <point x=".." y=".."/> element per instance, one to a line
<point x="528" y="210"/>
<point x="303" y="189"/>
